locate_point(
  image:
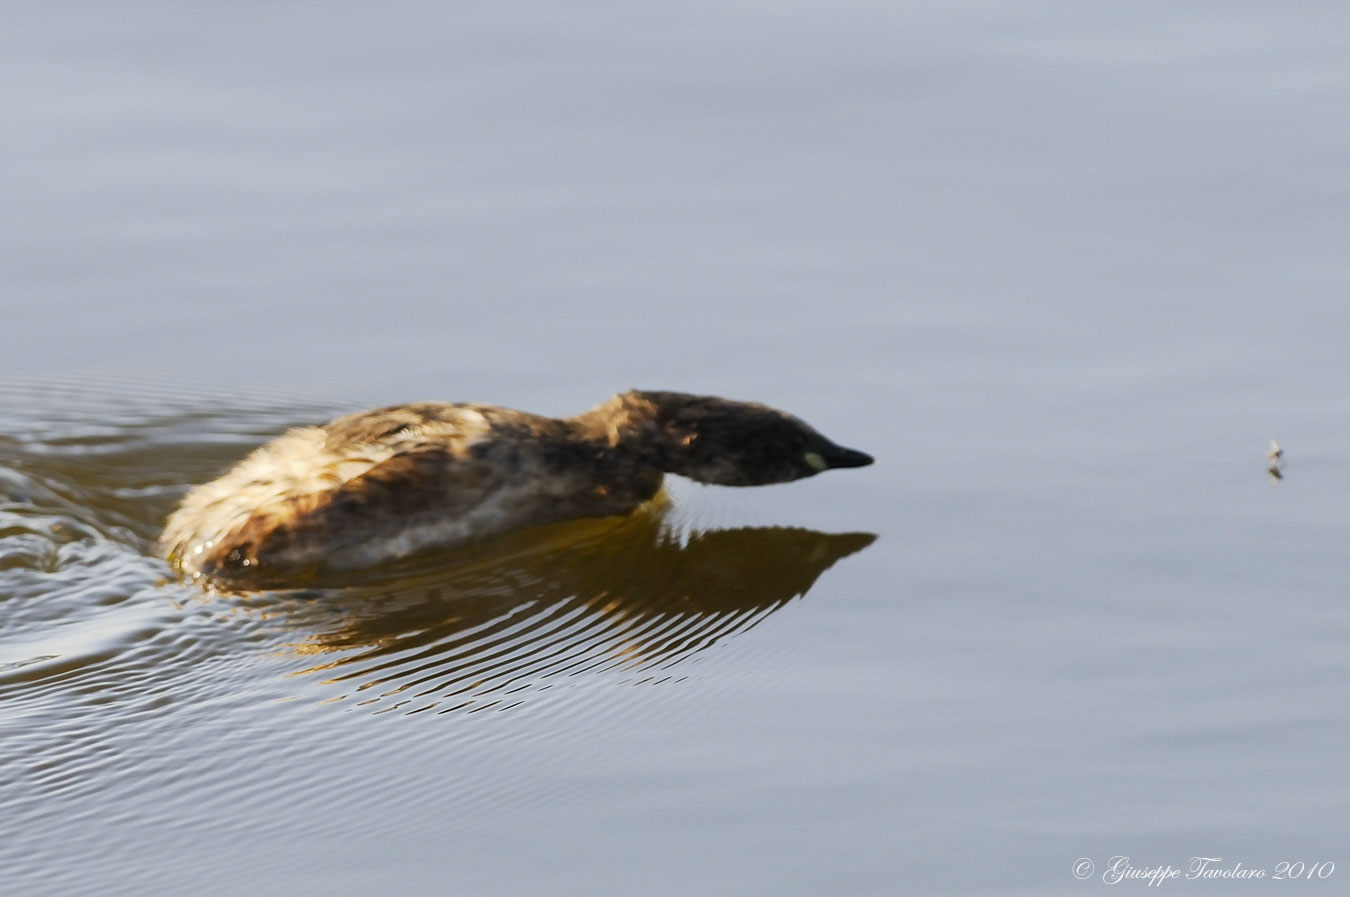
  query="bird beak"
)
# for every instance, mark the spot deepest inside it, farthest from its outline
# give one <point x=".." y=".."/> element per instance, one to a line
<point x="847" y="457"/>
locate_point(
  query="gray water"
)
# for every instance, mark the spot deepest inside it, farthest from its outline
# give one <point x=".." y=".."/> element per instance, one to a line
<point x="1063" y="268"/>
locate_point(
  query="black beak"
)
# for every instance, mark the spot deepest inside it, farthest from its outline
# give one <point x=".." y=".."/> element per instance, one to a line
<point x="847" y="457"/>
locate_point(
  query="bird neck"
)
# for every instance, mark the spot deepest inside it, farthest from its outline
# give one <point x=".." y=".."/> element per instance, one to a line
<point x="629" y="426"/>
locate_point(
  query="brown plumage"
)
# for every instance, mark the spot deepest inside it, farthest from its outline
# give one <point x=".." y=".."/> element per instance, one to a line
<point x="383" y="484"/>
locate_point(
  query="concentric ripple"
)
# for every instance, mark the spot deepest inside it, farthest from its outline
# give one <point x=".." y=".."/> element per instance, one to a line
<point x="115" y="678"/>
<point x="491" y="625"/>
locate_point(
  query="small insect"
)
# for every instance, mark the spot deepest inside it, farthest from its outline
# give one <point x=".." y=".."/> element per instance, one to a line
<point x="1275" y="457"/>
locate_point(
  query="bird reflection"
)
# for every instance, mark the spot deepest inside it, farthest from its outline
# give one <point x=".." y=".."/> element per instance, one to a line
<point x="485" y="628"/>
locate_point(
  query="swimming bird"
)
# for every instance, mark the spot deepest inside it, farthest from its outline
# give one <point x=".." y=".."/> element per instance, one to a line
<point x="383" y="484"/>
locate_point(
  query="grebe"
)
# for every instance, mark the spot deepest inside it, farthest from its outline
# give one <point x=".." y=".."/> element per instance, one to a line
<point x="382" y="484"/>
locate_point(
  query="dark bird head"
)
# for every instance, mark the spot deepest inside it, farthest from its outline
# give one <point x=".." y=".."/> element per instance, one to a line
<point x="728" y="443"/>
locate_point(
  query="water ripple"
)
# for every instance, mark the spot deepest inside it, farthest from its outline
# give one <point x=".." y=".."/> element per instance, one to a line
<point x="541" y="608"/>
<point x="121" y="687"/>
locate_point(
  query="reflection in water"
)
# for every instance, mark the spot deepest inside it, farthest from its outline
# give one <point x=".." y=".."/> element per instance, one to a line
<point x="84" y="493"/>
<point x="115" y="679"/>
<point x="482" y="630"/>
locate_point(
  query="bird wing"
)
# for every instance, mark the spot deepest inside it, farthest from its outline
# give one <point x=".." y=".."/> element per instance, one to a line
<point x="401" y="497"/>
<point x="401" y="424"/>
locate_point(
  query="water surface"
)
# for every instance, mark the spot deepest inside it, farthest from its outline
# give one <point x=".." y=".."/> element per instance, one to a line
<point x="1063" y="268"/>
